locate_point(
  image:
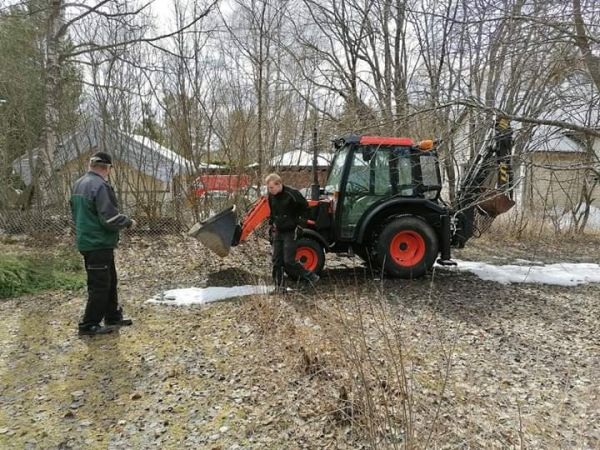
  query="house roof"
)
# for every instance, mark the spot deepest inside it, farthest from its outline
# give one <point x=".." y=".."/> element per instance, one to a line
<point x="169" y="155"/>
<point x="301" y="158"/>
<point x="140" y="152"/>
<point x="576" y="101"/>
<point x="551" y="139"/>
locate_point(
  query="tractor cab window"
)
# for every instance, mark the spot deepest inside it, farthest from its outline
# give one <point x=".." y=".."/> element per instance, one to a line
<point x="401" y="167"/>
<point x="337" y="170"/>
<point x="373" y="176"/>
<point x="382" y="184"/>
<point x="430" y="175"/>
<point x="358" y="177"/>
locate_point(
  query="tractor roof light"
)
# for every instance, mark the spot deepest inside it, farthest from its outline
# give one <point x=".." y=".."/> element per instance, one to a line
<point x="426" y="145"/>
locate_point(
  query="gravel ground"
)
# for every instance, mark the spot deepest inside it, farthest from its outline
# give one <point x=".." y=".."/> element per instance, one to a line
<point x="446" y="361"/>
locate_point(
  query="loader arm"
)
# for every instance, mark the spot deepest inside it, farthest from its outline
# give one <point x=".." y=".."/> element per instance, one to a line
<point x="493" y="157"/>
<point x="486" y="190"/>
<point x="259" y="212"/>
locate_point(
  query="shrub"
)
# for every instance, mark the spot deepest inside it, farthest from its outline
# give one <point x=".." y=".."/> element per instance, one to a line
<point x="25" y="273"/>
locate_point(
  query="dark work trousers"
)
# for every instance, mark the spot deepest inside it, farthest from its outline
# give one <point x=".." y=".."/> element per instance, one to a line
<point x="102" y="302"/>
<point x="284" y="256"/>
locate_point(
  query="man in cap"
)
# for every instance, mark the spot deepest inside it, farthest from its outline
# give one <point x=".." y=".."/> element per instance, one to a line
<point x="97" y="223"/>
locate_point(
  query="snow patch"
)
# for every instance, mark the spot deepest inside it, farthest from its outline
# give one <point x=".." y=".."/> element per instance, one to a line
<point x="201" y="296"/>
<point x="561" y="274"/>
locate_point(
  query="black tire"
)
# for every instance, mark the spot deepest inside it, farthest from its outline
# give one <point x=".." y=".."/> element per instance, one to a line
<point x="313" y="251"/>
<point x="363" y="252"/>
<point x="407" y="247"/>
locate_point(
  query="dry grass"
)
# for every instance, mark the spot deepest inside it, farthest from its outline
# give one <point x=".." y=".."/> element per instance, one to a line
<point x="448" y="361"/>
<point x="520" y="226"/>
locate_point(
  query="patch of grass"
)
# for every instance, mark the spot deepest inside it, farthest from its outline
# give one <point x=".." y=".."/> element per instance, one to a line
<point x="27" y="273"/>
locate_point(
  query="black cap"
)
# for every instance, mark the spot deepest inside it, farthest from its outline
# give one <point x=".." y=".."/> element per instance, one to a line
<point x="101" y="158"/>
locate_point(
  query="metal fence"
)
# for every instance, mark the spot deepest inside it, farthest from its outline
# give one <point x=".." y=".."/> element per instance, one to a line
<point x="169" y="219"/>
<point x="550" y="191"/>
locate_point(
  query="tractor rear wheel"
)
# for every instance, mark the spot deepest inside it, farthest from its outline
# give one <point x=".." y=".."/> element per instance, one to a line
<point x="310" y="254"/>
<point x="407" y="247"/>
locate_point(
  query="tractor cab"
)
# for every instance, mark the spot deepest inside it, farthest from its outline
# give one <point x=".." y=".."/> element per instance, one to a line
<point x="368" y="171"/>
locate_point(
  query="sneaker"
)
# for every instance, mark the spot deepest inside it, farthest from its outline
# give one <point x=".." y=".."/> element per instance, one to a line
<point x="312" y="277"/>
<point x="92" y="330"/>
<point x="117" y="320"/>
<point x="119" y="323"/>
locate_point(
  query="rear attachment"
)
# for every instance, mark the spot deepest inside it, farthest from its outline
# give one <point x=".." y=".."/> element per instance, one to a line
<point x="218" y="232"/>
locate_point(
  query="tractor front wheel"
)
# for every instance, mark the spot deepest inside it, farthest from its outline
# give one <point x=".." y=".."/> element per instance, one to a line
<point x="407" y="247"/>
<point x="310" y="254"/>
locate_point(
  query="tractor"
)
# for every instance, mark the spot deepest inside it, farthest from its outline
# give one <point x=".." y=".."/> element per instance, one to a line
<point x="382" y="202"/>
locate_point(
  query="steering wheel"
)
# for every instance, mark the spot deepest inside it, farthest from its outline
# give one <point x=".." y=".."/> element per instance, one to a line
<point x="357" y="189"/>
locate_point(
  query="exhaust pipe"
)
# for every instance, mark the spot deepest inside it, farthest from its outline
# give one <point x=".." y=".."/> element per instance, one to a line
<point x="315" y="189"/>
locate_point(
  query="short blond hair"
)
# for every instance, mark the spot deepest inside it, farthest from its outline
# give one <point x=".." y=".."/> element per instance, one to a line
<point x="274" y="178"/>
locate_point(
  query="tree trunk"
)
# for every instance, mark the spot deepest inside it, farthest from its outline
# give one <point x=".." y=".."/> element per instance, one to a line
<point x="592" y="61"/>
<point x="52" y="82"/>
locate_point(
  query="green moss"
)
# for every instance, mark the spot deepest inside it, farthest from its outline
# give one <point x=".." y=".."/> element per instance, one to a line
<point x="27" y="273"/>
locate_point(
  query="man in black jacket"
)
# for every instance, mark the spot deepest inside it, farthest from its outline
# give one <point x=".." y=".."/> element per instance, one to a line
<point x="288" y="211"/>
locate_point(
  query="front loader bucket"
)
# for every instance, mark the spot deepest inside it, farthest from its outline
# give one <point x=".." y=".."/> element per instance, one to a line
<point x="217" y="232"/>
<point x="497" y="203"/>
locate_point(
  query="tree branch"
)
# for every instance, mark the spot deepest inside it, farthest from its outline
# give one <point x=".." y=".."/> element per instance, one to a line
<point x="555" y="123"/>
<point x="92" y="46"/>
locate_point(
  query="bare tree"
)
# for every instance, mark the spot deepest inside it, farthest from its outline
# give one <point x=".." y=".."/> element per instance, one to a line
<point x="72" y="20"/>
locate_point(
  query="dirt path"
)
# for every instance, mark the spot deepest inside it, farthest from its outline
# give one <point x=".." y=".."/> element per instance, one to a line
<point x="486" y="365"/>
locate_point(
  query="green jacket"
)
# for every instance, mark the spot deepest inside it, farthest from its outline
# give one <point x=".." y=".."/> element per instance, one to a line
<point x="95" y="213"/>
